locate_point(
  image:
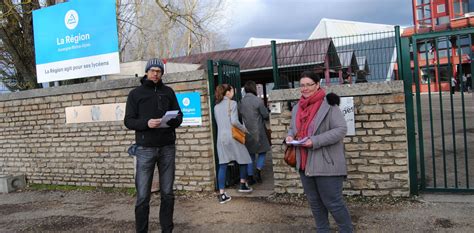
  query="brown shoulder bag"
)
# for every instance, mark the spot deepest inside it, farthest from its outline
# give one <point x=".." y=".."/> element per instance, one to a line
<point x="237" y="134"/>
<point x="290" y="155"/>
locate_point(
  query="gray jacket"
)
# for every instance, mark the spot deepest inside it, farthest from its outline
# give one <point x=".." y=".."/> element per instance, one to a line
<point x="229" y="149"/>
<point x="253" y="113"/>
<point x="326" y="158"/>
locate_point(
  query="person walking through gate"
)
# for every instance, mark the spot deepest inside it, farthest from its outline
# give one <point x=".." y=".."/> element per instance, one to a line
<point x="320" y="161"/>
<point x="469" y="83"/>
<point x="254" y="113"/>
<point x="464" y="83"/>
<point x="146" y="105"/>
<point x="229" y="149"/>
<point x="453" y="85"/>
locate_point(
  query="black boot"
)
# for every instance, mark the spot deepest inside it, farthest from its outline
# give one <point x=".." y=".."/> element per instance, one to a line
<point x="250" y="180"/>
<point x="258" y="175"/>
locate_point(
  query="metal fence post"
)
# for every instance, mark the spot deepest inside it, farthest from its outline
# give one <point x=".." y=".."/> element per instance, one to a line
<point x="211" y="84"/>
<point x="410" y="116"/>
<point x="399" y="51"/>
<point x="276" y="77"/>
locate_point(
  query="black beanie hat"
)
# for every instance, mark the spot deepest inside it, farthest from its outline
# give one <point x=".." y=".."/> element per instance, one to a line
<point x="155" y="62"/>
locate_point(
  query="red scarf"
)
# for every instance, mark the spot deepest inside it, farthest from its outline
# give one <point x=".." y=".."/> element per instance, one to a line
<point x="307" y="109"/>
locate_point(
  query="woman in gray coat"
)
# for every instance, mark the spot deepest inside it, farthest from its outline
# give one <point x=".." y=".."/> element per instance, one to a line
<point x="254" y="113"/>
<point x="229" y="149"/>
<point x="320" y="161"/>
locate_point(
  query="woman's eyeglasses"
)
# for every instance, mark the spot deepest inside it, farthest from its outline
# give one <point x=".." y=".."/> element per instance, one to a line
<point x="307" y="85"/>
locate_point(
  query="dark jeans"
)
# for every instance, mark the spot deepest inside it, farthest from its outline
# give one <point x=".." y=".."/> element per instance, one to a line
<point x="324" y="194"/>
<point x="147" y="158"/>
<point x="222" y="172"/>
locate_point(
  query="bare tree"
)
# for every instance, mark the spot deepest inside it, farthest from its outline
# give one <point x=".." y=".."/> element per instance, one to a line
<point x="195" y="19"/>
<point x="126" y="23"/>
<point x="175" y="28"/>
<point x="17" y="55"/>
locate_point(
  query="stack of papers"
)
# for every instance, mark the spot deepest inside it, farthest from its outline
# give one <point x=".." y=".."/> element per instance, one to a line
<point x="168" y="116"/>
<point x="297" y="142"/>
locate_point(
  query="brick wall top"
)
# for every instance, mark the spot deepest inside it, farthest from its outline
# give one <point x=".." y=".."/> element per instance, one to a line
<point x="99" y="86"/>
<point x="360" y="89"/>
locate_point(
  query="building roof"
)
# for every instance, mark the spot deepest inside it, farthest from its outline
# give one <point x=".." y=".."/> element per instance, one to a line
<point x="265" y="41"/>
<point x="348" y="59"/>
<point x="335" y="28"/>
<point x="298" y="53"/>
<point x="362" y="61"/>
<point x="379" y="57"/>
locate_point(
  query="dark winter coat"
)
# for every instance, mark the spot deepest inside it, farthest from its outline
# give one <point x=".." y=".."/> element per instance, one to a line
<point x="254" y="113"/>
<point x="151" y="101"/>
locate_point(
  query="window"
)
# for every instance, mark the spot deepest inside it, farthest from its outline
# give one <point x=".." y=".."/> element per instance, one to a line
<point x="443" y="44"/>
<point x="460" y="8"/>
<point x="427" y="12"/>
<point x="419" y="14"/>
<point x="443" y="74"/>
<point x="442" y="20"/>
<point x="419" y="2"/>
<point x="426" y="50"/>
<point x="441" y="8"/>
<point x="442" y="53"/>
<point x="465" y="50"/>
<point x="427" y="75"/>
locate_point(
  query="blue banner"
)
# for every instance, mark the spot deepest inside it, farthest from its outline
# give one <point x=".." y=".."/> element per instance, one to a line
<point x="76" y="30"/>
<point x="190" y="104"/>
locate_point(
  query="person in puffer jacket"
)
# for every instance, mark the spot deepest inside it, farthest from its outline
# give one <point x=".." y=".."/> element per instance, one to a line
<point x="146" y="106"/>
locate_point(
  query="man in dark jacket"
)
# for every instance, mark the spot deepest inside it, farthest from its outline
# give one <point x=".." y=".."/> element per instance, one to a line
<point x="146" y="107"/>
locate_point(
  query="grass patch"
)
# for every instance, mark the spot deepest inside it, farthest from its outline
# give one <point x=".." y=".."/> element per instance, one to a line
<point x="40" y="187"/>
<point x="53" y="187"/>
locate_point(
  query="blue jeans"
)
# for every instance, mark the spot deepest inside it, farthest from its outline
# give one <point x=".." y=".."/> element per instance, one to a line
<point x="260" y="162"/>
<point x="324" y="193"/>
<point x="147" y="159"/>
<point x="222" y="171"/>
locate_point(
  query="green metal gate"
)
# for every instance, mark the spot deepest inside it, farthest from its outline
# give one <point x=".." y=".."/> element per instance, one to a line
<point x="228" y="72"/>
<point x="439" y="121"/>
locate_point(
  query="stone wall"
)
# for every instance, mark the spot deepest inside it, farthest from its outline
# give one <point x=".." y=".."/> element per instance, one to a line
<point x="35" y="139"/>
<point x="377" y="155"/>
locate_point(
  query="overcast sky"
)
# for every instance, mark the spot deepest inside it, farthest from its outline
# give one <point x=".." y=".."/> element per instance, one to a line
<point x="296" y="19"/>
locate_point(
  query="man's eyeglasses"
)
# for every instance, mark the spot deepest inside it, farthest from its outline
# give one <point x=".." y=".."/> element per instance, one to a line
<point x="155" y="71"/>
<point x="307" y="85"/>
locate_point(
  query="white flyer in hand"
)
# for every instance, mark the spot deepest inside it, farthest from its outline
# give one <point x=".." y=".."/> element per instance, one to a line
<point x="298" y="142"/>
<point x="168" y="116"/>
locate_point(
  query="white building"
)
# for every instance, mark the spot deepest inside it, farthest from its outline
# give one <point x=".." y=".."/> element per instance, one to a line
<point x="265" y="41"/>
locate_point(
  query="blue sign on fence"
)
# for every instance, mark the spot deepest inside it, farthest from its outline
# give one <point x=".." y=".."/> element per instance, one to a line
<point x="76" y="39"/>
<point x="190" y="103"/>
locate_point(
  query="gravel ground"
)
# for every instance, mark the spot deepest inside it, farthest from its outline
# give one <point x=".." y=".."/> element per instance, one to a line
<point x="100" y="211"/>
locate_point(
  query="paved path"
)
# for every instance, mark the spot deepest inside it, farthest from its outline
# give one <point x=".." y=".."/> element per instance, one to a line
<point x="93" y="211"/>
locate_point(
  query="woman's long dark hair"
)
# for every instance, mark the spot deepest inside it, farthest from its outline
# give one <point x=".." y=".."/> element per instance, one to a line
<point x="221" y="90"/>
<point x="250" y="87"/>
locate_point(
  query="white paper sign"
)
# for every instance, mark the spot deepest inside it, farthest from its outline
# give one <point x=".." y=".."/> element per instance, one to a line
<point x="347" y="108"/>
